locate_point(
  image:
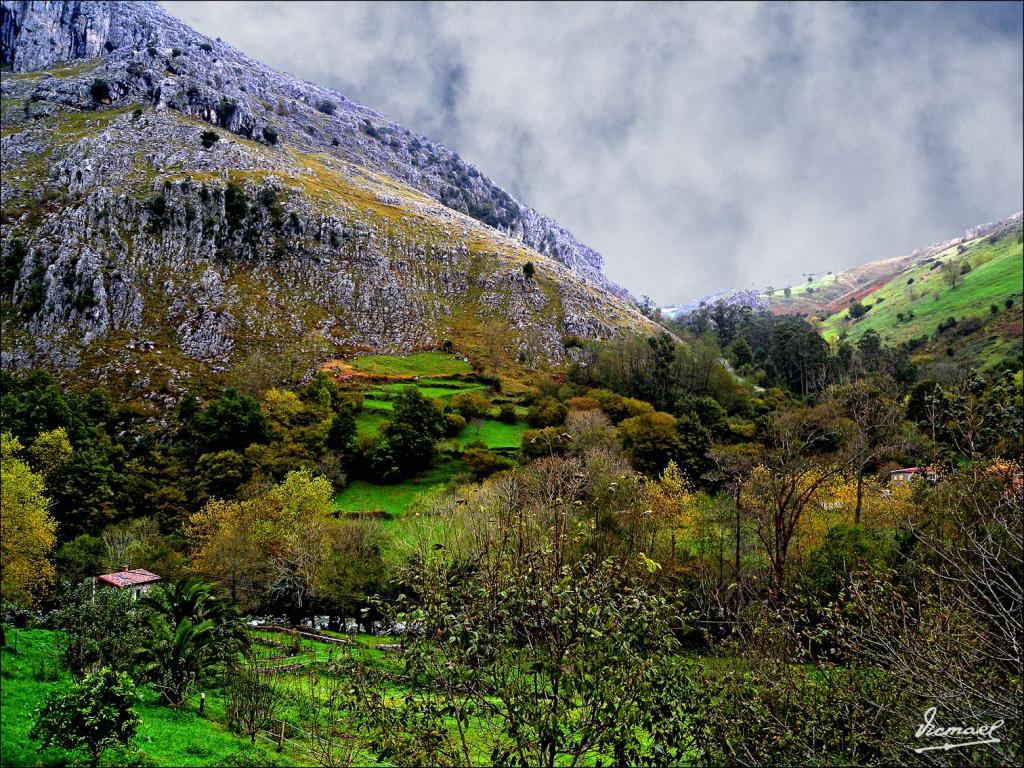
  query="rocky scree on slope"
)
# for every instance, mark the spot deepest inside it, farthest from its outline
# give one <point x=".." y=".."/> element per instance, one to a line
<point x="138" y="241"/>
<point x="149" y="56"/>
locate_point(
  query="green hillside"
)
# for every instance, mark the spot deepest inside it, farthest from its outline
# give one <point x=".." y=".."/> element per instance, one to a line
<point x="959" y="304"/>
<point x="906" y="283"/>
<point x="902" y="310"/>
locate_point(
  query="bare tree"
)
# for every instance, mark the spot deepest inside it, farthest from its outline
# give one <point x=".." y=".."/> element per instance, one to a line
<point x="733" y="467"/>
<point x="251" y="699"/>
<point x="125" y="543"/>
<point x="954" y="636"/>
<point x="493" y="337"/>
<point x="329" y="696"/>
<point x="873" y="426"/>
<point x="797" y="469"/>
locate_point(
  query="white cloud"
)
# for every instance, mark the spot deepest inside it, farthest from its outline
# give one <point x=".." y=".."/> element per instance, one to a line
<point x="697" y="146"/>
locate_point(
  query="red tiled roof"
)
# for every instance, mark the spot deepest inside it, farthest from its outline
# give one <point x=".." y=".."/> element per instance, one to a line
<point x="128" y="578"/>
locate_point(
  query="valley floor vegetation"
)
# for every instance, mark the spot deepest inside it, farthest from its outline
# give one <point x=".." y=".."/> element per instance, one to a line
<point x="688" y="549"/>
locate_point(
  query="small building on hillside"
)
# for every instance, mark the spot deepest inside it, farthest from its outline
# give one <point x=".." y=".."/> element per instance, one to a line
<point x="906" y="475"/>
<point x="139" y="580"/>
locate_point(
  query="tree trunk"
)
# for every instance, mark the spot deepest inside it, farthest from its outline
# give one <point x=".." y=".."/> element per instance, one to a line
<point x="778" y="563"/>
<point x="860" y="492"/>
<point x="737" y="539"/>
<point x="778" y="568"/>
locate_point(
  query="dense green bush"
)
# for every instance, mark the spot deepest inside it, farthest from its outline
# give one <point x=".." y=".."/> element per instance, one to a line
<point x="92" y="716"/>
<point x="453" y="424"/>
<point x="236" y="204"/>
<point x="471" y="405"/>
<point x="484" y="463"/>
<point x="858" y="310"/>
<point x="546" y="412"/>
<point x="156" y="207"/>
<point x="650" y="441"/>
<point x="616" y="407"/>
<point x="507" y="413"/>
<point x="231" y="422"/>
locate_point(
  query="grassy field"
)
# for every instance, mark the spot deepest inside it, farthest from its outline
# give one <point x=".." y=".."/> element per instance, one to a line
<point x="22" y="693"/>
<point x="380" y="398"/>
<point x="493" y="434"/>
<point x="370" y="420"/>
<point x="378" y="405"/>
<point x="420" y="364"/>
<point x="439" y="389"/>
<point x="362" y="496"/>
<point x="166" y="736"/>
<point x="997" y="274"/>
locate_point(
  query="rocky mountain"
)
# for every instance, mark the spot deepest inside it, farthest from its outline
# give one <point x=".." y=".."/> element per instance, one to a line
<point x="745" y="297"/>
<point x="172" y="208"/>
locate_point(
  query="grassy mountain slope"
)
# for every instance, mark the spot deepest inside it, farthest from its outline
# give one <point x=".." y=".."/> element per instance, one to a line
<point x="995" y="275"/>
<point x="911" y="296"/>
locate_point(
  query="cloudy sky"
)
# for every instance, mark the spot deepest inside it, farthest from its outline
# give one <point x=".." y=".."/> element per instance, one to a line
<point x="697" y="146"/>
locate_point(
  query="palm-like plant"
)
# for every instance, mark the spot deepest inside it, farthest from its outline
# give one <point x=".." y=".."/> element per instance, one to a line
<point x="191" y="630"/>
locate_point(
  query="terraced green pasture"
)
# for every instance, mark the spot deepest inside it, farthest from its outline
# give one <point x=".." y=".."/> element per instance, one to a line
<point x="493" y="434"/>
<point x="419" y="364"/>
<point x="363" y="496"/>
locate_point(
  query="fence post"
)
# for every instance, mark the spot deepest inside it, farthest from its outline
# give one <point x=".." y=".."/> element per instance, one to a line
<point x="280" y="739"/>
<point x="202" y="703"/>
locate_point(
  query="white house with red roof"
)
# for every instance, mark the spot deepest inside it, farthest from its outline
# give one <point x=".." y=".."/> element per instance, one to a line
<point x="139" y="580"/>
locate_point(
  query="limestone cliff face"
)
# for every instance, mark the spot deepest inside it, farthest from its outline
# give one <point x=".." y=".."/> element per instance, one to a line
<point x="172" y="208"/>
<point x="36" y="34"/>
<point x="151" y="57"/>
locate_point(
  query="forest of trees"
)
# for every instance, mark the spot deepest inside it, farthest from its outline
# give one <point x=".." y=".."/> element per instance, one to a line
<point x="697" y="557"/>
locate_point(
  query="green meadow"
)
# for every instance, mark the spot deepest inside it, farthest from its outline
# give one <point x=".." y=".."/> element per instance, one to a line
<point x="363" y="496"/>
<point x="435" y="374"/>
<point x="165" y="736"/>
<point x="997" y="273"/>
<point x="419" y="364"/>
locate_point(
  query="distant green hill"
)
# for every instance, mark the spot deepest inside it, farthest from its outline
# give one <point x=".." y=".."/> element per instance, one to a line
<point x="975" y="281"/>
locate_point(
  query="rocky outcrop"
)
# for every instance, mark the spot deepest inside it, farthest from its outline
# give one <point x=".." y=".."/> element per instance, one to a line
<point x="745" y="297"/>
<point x="37" y="34"/>
<point x="147" y="56"/>
<point x="139" y="242"/>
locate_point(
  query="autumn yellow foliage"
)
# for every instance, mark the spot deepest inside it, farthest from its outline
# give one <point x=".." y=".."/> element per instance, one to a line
<point x="255" y="541"/>
<point x="27" y="532"/>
